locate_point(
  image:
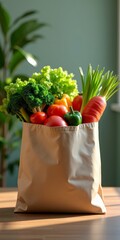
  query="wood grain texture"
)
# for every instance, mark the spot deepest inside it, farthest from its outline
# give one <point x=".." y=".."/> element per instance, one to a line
<point x="59" y="226"/>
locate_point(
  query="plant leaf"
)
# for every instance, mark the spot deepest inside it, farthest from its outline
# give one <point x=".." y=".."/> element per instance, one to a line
<point x="28" y="56"/>
<point x="4" y="20"/>
<point x="2" y="118"/>
<point x="16" y="59"/>
<point x="29" y="40"/>
<point x="19" y="36"/>
<point x="19" y="56"/>
<point x="33" y="38"/>
<point x="2" y="140"/>
<point x="2" y="59"/>
<point x="24" y="15"/>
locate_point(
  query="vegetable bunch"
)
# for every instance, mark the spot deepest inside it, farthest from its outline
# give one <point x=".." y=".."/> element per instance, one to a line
<point x="51" y="97"/>
<point x="23" y="98"/>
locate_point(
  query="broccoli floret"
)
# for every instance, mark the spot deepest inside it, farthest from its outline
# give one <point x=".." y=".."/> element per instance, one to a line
<point x="17" y="106"/>
<point x="36" y="96"/>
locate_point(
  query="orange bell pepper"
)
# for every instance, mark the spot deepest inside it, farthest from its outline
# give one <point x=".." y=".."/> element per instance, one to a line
<point x="65" y="100"/>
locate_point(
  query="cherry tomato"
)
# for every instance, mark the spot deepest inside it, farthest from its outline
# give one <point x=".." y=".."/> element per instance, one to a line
<point x="55" y="121"/>
<point x="56" y="109"/>
<point x="77" y="102"/>
<point x="38" y="117"/>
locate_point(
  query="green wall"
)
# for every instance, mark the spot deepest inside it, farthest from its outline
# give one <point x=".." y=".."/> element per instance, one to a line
<point x="79" y="32"/>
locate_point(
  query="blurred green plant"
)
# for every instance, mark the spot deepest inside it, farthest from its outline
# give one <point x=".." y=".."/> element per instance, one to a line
<point x="15" y="35"/>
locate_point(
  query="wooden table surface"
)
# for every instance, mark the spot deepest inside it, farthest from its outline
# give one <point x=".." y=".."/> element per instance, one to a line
<point x="59" y="226"/>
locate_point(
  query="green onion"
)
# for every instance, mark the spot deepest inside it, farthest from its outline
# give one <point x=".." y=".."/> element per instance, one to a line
<point x="91" y="84"/>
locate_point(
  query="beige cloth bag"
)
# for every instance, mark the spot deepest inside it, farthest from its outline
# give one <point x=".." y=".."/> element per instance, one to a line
<point x="60" y="170"/>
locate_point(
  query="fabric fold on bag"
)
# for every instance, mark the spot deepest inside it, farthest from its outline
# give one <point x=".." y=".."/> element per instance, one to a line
<point x="60" y="170"/>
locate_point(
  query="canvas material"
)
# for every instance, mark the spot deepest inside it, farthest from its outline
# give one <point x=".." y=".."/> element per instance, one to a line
<point x="60" y="170"/>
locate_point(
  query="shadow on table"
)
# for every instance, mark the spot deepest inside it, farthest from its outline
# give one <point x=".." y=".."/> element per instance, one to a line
<point x="58" y="227"/>
<point x="8" y="213"/>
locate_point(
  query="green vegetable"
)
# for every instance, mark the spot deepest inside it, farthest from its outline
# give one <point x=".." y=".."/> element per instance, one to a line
<point x="91" y="84"/>
<point x="11" y="89"/>
<point x="36" y="96"/>
<point x="73" y="118"/>
<point x="109" y="85"/>
<point x="58" y="81"/>
<point x="17" y="106"/>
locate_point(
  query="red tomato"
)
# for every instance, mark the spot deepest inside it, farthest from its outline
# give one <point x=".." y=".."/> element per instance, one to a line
<point x="55" y="121"/>
<point x="77" y="102"/>
<point x="38" y="117"/>
<point x="56" y="109"/>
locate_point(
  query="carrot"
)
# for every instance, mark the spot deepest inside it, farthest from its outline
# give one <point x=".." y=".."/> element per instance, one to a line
<point x="94" y="109"/>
